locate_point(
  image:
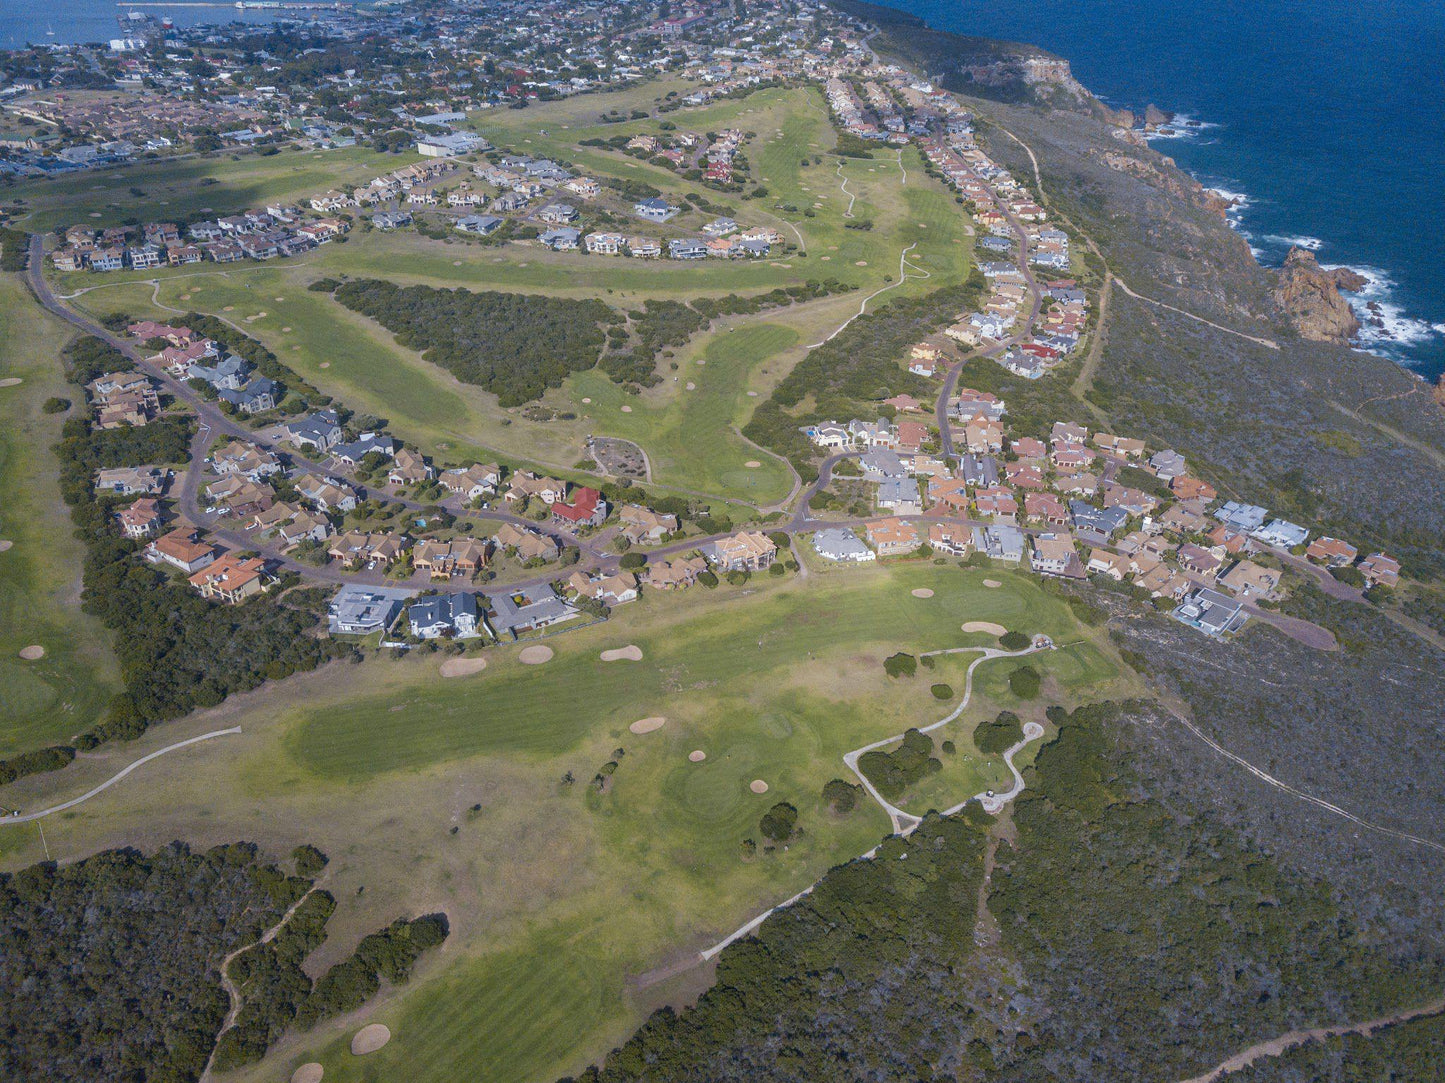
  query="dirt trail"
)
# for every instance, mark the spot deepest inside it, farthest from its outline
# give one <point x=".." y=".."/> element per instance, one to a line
<point x="1285" y="1042"/>
<point x="233" y="994"/>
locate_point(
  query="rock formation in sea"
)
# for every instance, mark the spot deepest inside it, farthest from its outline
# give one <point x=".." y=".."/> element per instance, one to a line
<point x="1310" y="297"/>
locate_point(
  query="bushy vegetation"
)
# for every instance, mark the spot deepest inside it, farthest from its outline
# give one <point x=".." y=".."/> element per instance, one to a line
<point x="513" y="345"/>
<point x="900" y="665"/>
<point x="841" y="795"/>
<point x="992" y="737"/>
<point x="14" y="249"/>
<point x="893" y="772"/>
<point x="389" y="954"/>
<point x="1013" y="641"/>
<point x="779" y="822"/>
<point x="1025" y="682"/>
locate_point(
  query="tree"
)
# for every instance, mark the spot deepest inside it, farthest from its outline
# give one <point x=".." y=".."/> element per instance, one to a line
<point x="632" y="561"/>
<point x="841" y="795"/>
<point x="779" y="822"/>
<point x="1025" y="682"/>
<point x="900" y="665"/>
<point x="1013" y="641"/>
<point x="998" y="735"/>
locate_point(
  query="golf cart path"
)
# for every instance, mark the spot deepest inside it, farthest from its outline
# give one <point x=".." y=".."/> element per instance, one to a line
<point x="904" y="823"/>
<point x="108" y="783"/>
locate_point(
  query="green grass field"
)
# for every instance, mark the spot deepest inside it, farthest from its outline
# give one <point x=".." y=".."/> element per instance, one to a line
<point x="431" y="794"/>
<point x="45" y="701"/>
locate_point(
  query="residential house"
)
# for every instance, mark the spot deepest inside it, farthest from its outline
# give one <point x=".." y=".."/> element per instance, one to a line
<point x="182" y="548"/>
<point x="644" y="526"/>
<point x="130" y="480"/>
<point x="364" y="610"/>
<point x="1104" y="521"/>
<point x="1282" y="534"/>
<point x="1053" y="554"/>
<point x="327" y="494"/>
<point x="1380" y="570"/>
<point x="526" y="484"/>
<point x="748" y="550"/>
<point x="1250" y="580"/>
<point x="409" y="467"/>
<point x="893" y="537"/>
<point x="231" y="578"/>
<point x="451" y="615"/>
<point x="527" y="609"/>
<point x="610" y="590"/>
<point x="1000" y="541"/>
<point x="1197" y="559"/>
<point x="585" y="508"/>
<point x="321" y="431"/>
<point x="1211" y="612"/>
<point x="528" y="544"/>
<point x="900" y="496"/>
<point x="948" y="538"/>
<point x="1167" y="465"/>
<point x="470" y="482"/>
<point x="1245" y="517"/>
<point x="1103" y="562"/>
<point x="140" y="519"/>
<point x="1332" y="552"/>
<point x="841" y="544"/>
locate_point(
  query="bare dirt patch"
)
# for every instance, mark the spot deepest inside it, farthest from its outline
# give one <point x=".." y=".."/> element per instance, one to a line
<point x="311" y="1072"/>
<point x="921" y="592"/>
<point x="629" y="653"/>
<point x="757" y="785"/>
<point x="985" y="626"/>
<point x="992" y="584"/>
<point x="32" y="652"/>
<point x="648" y="725"/>
<point x="535" y="655"/>
<point x="463" y="667"/>
<point x="697" y="755"/>
<point x="369" y="1039"/>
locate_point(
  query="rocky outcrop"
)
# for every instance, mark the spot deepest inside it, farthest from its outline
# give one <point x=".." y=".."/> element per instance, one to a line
<point x="1310" y="297"/>
<point x="1164" y="175"/>
<point x="1154" y="117"/>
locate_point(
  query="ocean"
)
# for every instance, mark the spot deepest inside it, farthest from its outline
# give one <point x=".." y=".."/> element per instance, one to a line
<point x="1327" y="117"/>
<point x="65" y="22"/>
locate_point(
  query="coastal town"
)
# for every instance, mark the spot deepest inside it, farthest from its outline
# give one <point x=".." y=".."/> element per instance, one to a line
<point x="271" y="499"/>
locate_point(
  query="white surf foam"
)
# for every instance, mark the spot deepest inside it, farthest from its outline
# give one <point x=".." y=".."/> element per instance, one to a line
<point x="1387" y="328"/>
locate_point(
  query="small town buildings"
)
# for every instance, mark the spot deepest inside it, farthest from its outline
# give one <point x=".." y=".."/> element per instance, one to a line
<point x="130" y="480"/>
<point x="140" y="519"/>
<point x="470" y="482"/>
<point x="320" y="431"/>
<point x="644" y="526"/>
<point x="585" y="508"/>
<point x="526" y="543"/>
<point x="409" y="467"/>
<point x="841" y="544"/>
<point x="1380" y="570"/>
<point x="527" y="609"/>
<point x="363" y="610"/>
<point x="676" y="574"/>
<point x="1332" y="552"/>
<point x="1053" y="554"/>
<point x="1249" y="580"/>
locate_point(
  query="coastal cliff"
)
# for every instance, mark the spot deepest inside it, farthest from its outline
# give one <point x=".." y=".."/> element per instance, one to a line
<point x="1310" y="298"/>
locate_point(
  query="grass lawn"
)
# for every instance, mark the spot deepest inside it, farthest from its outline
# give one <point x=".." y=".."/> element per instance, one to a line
<point x="194" y="185"/>
<point x="431" y="794"/>
<point x="45" y="701"/>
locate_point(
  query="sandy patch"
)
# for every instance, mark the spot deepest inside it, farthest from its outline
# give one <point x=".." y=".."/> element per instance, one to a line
<point x="697" y="755"/>
<point x="324" y="364"/>
<point x="921" y="592"/>
<point x="328" y="364"/>
<point x="310" y="1072"/>
<point x="229" y="308"/>
<point x="456" y="263"/>
<point x="630" y="653"/>
<point x="922" y="225"/>
<point x="285" y="330"/>
<point x="95" y="214"/>
<point x="647" y="725"/>
<point x="985" y="626"/>
<point x="757" y="785"/>
<point x="702" y="361"/>
<point x="11" y="381"/>
<point x="627" y="409"/>
<point x="587" y="402"/>
<point x="369" y="1039"/>
<point x="691" y="386"/>
<point x="860" y="263"/>
<point x="992" y="584"/>
<point x="463" y="667"/>
<point x="752" y="464"/>
<point x="5" y="544"/>
<point x="535" y="656"/>
<point x="752" y="394"/>
<point x="825" y="259"/>
<point x="32" y="652"/>
<point x="280" y="299"/>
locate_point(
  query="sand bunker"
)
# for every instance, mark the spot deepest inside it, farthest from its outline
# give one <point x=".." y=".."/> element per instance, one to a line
<point x="5" y="543"/>
<point x="921" y="592"/>
<point x="587" y="401"/>
<point x="629" y="653"/>
<point x="627" y="409"/>
<point x="229" y="308"/>
<point x="985" y="626"/>
<point x="369" y="1039"/>
<point x="324" y="364"/>
<point x="647" y="725"/>
<point x="757" y="785"/>
<point x="752" y="394"/>
<point x="32" y="652"/>
<point x="308" y="1073"/>
<point x="752" y="464"/>
<point x="280" y="298"/>
<point x="463" y="667"/>
<point x="697" y="755"/>
<point x="535" y="656"/>
<point x="456" y="263"/>
<point x="992" y="584"/>
<point x="11" y="381"/>
<point x="860" y="263"/>
<point x="691" y="386"/>
<point x="286" y="330"/>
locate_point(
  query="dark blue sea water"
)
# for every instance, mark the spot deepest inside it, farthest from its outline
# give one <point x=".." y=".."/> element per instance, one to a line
<point x="41" y="22"/>
<point x="1329" y="116"/>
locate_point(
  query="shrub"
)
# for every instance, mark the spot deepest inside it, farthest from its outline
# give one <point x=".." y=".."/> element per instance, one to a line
<point x="942" y="691"/>
<point x="56" y="405"/>
<point x="900" y="665"/>
<point x="632" y="560"/>
<point x="1024" y="682"/>
<point x="841" y="795"/>
<point x="1013" y="641"/>
<point x="779" y="822"/>
<point x="309" y="860"/>
<point x="999" y="735"/>
<point x="707" y="579"/>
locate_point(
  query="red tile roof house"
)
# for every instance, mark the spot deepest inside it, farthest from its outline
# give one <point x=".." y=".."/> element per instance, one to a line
<point x="1380" y="570"/>
<point x="1332" y="551"/>
<point x="1200" y="561"/>
<point x="587" y="508"/>
<point x="1047" y="507"/>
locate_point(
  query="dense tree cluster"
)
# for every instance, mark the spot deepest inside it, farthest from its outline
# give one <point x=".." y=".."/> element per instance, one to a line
<point x="998" y="735"/>
<point x="386" y="955"/>
<point x="109" y="966"/>
<point x="512" y="344"/>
